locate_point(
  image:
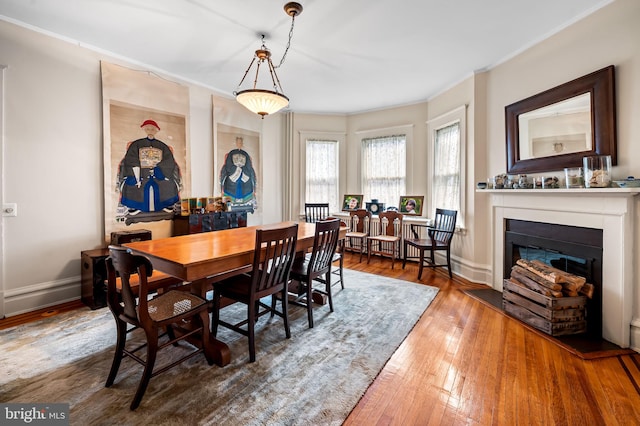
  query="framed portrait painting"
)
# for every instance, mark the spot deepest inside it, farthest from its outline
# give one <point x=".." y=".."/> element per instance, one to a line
<point x="411" y="204"/>
<point x="352" y="202"/>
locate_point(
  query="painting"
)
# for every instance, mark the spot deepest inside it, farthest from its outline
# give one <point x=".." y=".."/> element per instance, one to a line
<point x="411" y="204"/>
<point x="352" y="202"/>
<point x="146" y="168"/>
<point x="238" y="170"/>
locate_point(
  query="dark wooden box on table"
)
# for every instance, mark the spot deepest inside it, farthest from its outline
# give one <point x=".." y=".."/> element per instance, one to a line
<point x="555" y="316"/>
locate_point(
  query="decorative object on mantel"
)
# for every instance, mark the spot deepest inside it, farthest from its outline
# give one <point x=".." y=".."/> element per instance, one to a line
<point x="597" y="171"/>
<point x="629" y="182"/>
<point x="573" y="177"/>
<point x="548" y="182"/>
<point x="267" y="101"/>
<point x="374" y="206"/>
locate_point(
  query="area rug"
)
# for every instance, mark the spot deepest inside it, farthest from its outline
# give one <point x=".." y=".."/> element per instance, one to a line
<point x="316" y="377"/>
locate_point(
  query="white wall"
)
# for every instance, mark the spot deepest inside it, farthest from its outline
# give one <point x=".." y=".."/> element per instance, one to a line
<point x="53" y="143"/>
<point x="53" y="162"/>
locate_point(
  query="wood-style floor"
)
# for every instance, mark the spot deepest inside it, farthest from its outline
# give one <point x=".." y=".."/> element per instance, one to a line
<point x="465" y="363"/>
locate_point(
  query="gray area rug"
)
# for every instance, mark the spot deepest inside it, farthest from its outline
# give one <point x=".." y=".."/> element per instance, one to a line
<point x="316" y="377"/>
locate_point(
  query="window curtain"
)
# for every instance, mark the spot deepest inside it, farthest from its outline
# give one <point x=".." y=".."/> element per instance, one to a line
<point x="384" y="169"/>
<point x="446" y="179"/>
<point x="322" y="173"/>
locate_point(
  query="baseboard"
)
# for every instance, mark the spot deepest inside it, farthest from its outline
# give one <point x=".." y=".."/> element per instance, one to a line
<point x="41" y="295"/>
<point x="635" y="334"/>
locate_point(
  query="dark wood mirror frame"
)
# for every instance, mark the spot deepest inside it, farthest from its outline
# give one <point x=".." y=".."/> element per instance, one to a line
<point x="603" y="122"/>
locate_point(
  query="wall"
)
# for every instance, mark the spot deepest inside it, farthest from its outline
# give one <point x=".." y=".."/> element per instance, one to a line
<point x="52" y="164"/>
<point x="53" y="143"/>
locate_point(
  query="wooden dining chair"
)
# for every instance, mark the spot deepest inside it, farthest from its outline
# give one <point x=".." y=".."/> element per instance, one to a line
<point x="307" y="269"/>
<point x="273" y="256"/>
<point x="359" y="225"/>
<point x="177" y="314"/>
<point x="338" y="257"/>
<point x="438" y="237"/>
<point x="387" y="242"/>
<point x="314" y="212"/>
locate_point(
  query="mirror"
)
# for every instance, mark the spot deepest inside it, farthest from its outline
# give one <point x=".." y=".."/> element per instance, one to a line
<point x="556" y="128"/>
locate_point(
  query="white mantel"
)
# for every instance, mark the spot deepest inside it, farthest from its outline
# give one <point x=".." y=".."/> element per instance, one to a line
<point x="609" y="209"/>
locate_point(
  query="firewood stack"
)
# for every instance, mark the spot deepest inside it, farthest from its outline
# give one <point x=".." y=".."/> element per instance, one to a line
<point x="549" y="281"/>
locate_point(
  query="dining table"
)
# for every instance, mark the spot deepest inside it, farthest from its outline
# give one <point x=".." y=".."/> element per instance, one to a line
<point x="204" y="258"/>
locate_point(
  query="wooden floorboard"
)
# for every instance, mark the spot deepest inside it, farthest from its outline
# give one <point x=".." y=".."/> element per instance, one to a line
<point x="466" y="363"/>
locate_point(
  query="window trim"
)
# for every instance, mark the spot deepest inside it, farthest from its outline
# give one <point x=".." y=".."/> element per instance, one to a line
<point x="305" y="135"/>
<point x="457" y="115"/>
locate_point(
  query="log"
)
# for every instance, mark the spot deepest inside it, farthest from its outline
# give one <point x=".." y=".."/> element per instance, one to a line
<point x="587" y="290"/>
<point x="541" y="272"/>
<point x="535" y="277"/>
<point x="531" y="284"/>
<point x="570" y="281"/>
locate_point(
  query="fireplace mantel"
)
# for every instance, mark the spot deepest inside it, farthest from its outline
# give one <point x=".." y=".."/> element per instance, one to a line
<point x="610" y="209"/>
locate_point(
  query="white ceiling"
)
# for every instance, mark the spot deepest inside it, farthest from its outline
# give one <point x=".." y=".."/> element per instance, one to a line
<point x="346" y="56"/>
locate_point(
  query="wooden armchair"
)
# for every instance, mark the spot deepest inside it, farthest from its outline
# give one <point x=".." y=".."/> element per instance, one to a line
<point x="438" y="238"/>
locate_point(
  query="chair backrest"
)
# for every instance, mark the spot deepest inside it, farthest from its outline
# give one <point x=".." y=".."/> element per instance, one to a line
<point x="324" y="245"/>
<point x="445" y="220"/>
<point x="314" y="212"/>
<point x="360" y="220"/>
<point x="274" y="254"/>
<point x="390" y="223"/>
<point x="122" y="263"/>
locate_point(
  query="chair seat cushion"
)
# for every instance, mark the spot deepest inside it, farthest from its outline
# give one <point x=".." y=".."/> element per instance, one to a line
<point x="385" y="238"/>
<point x="172" y="304"/>
<point x="356" y="235"/>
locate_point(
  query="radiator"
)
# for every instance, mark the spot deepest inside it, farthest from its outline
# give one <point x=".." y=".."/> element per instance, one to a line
<point x="374" y="226"/>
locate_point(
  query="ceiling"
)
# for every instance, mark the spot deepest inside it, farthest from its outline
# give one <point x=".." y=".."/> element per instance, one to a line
<point x="345" y="56"/>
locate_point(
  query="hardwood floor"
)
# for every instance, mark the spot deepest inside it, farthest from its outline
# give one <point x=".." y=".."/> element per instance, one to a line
<point x="466" y="363"/>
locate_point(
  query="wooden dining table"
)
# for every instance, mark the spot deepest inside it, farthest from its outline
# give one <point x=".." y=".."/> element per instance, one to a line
<point x="204" y="258"/>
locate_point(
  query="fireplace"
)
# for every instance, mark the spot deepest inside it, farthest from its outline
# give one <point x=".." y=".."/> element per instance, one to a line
<point x="572" y="249"/>
<point x="610" y="211"/>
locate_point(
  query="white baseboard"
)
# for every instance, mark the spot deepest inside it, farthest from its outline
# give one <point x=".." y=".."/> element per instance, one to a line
<point x="41" y="295"/>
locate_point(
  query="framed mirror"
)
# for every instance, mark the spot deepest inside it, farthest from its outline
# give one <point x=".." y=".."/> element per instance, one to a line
<point x="556" y="128"/>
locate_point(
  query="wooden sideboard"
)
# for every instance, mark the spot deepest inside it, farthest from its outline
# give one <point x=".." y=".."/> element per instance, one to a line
<point x="207" y="222"/>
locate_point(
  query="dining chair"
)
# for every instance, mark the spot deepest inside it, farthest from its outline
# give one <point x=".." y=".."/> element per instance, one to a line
<point x="275" y="249"/>
<point x="314" y="212"/>
<point x="307" y="269"/>
<point x="387" y="242"/>
<point x="439" y="237"/>
<point x="338" y="257"/>
<point x="175" y="314"/>
<point x="359" y="231"/>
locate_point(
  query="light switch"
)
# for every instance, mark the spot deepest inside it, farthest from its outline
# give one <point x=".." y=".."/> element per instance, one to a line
<point x="9" y="209"/>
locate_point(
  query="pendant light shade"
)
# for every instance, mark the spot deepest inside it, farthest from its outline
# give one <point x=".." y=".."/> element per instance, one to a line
<point x="264" y="101"/>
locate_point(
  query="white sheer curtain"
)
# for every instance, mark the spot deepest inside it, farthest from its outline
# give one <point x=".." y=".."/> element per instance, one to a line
<point x="446" y="176"/>
<point x="384" y="169"/>
<point x="322" y="173"/>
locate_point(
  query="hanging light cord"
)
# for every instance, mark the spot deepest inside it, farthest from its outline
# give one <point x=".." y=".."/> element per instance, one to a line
<point x="284" y="55"/>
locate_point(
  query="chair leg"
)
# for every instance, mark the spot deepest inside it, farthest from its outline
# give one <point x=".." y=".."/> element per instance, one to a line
<point x="369" y="242"/>
<point x="310" y="302"/>
<point x="251" y="315"/>
<point x="449" y="263"/>
<point x="152" y="350"/>
<point x="421" y="263"/>
<point x="361" y="250"/>
<point x="393" y="255"/>
<point x="404" y="259"/>
<point x="285" y="312"/>
<point x="328" y="290"/>
<point x="118" y="355"/>
<point x="341" y="277"/>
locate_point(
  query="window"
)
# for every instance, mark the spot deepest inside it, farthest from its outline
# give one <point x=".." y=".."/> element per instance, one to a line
<point x="384" y="168"/>
<point x="447" y="133"/>
<point x="322" y="173"/>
